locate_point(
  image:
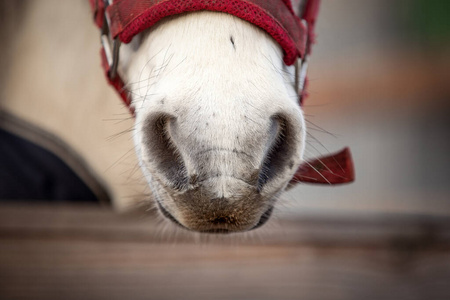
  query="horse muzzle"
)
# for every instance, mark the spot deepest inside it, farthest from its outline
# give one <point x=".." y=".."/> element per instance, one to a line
<point x="222" y="179"/>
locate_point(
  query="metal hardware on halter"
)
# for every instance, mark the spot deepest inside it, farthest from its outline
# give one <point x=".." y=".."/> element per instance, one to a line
<point x="300" y="73"/>
<point x="111" y="46"/>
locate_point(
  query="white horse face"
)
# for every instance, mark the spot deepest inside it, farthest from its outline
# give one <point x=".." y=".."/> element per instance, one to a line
<point x="219" y="132"/>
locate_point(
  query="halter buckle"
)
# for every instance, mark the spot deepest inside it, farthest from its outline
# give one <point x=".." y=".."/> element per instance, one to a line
<point x="110" y="45"/>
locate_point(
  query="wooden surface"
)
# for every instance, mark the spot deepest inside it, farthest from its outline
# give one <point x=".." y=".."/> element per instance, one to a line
<point x="87" y="252"/>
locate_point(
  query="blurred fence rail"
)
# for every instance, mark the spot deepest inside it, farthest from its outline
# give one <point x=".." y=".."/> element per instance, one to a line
<point x="88" y="252"/>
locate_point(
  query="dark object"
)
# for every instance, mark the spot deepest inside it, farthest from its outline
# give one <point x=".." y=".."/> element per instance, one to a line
<point x="30" y="172"/>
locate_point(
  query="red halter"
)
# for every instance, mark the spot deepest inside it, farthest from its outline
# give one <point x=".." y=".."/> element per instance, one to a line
<point x="121" y="20"/>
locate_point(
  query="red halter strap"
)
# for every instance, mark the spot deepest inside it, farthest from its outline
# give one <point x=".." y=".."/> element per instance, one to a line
<point x="335" y="168"/>
<point x="121" y="20"/>
<point x="126" y="18"/>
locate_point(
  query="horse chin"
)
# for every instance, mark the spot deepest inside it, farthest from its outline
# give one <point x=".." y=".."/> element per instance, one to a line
<point x="216" y="230"/>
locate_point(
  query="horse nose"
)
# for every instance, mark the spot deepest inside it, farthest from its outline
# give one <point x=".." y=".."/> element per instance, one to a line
<point x="161" y="151"/>
<point x="282" y="155"/>
<point x="244" y="176"/>
<point x="179" y="161"/>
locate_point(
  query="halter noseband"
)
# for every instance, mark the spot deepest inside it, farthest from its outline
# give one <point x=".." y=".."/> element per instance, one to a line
<point x="121" y="20"/>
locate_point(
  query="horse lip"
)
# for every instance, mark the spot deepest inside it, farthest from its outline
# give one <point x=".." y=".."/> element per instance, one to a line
<point x="262" y="220"/>
<point x="217" y="231"/>
<point x="169" y="216"/>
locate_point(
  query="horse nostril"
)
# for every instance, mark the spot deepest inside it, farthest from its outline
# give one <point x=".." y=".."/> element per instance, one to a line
<point x="280" y="151"/>
<point x="162" y="151"/>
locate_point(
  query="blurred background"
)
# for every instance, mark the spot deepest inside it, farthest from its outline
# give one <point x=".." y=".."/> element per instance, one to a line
<point x="379" y="82"/>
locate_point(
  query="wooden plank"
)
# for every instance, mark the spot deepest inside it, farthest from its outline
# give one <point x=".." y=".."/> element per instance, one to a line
<point x="86" y="252"/>
<point x="100" y="223"/>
